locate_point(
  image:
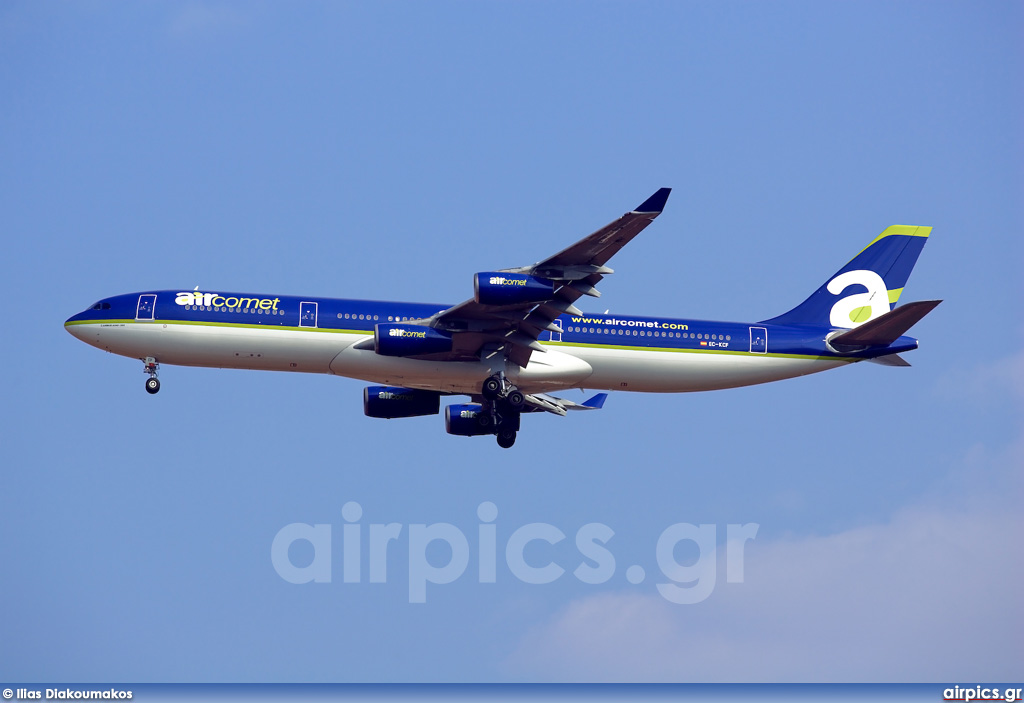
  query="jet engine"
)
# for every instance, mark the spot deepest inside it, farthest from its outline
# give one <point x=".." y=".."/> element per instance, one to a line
<point x="393" y="401"/>
<point x="497" y="288"/>
<point x="402" y="339"/>
<point x="464" y="420"/>
<point x="470" y="419"/>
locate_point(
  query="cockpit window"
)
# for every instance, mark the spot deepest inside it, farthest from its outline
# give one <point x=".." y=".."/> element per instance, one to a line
<point x="106" y="306"/>
<point x="97" y="306"/>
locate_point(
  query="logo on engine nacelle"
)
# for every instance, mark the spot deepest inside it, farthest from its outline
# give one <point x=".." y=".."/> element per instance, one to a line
<point x="502" y="281"/>
<point x="407" y="333"/>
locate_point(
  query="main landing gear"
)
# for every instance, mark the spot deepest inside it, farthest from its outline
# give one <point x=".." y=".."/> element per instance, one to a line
<point x="497" y="387"/>
<point x="502" y="407"/>
<point x="506" y="438"/>
<point x="152" y="368"/>
<point x="499" y="419"/>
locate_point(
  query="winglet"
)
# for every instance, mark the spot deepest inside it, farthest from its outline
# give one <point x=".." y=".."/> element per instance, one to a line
<point x="597" y="402"/>
<point x="655" y="203"/>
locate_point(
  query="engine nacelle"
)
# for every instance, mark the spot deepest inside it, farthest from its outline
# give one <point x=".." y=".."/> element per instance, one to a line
<point x="402" y="339"/>
<point x="462" y="420"/>
<point x="497" y="288"/>
<point x="393" y="401"/>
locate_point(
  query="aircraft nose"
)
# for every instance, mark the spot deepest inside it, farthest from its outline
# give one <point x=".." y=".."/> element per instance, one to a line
<point x="73" y="329"/>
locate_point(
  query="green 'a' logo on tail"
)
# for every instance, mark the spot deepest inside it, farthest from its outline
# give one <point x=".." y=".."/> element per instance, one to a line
<point x="867" y="286"/>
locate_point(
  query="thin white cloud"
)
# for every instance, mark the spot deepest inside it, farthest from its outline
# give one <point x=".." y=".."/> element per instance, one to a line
<point x="933" y="594"/>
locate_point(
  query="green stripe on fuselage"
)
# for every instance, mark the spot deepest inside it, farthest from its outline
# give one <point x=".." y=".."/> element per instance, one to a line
<point x="701" y="351"/>
<point x="206" y="323"/>
<point x="240" y="325"/>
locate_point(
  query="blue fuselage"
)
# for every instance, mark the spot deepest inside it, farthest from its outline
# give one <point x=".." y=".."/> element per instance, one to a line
<point x="322" y="335"/>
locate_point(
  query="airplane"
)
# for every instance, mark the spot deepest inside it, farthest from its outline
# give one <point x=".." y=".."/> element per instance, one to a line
<point x="521" y="336"/>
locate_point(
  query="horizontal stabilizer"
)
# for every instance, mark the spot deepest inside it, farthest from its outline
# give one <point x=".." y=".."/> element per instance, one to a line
<point x="890" y="360"/>
<point x="559" y="406"/>
<point x="885" y="329"/>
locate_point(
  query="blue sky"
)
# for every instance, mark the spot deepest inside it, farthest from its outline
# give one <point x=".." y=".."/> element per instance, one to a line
<point x="391" y="150"/>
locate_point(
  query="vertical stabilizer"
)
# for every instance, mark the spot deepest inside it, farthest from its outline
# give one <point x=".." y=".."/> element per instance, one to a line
<point x="867" y="287"/>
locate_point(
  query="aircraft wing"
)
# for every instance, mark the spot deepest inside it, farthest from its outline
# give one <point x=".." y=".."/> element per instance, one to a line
<point x="513" y="329"/>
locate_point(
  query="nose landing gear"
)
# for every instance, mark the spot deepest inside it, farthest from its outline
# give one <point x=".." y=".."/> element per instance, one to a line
<point x="152" y="368"/>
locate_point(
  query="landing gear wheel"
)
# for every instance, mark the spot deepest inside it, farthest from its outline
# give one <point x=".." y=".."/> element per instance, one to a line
<point x="152" y="368"/>
<point x="506" y="438"/>
<point x="491" y="388"/>
<point x="516" y="399"/>
<point x="484" y="419"/>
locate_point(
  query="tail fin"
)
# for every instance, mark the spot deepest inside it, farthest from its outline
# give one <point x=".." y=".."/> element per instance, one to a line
<point x="865" y="288"/>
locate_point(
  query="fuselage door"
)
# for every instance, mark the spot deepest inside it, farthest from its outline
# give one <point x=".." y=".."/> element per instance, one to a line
<point x="556" y="336"/>
<point x="147" y="303"/>
<point x="758" y="340"/>
<point x="307" y="314"/>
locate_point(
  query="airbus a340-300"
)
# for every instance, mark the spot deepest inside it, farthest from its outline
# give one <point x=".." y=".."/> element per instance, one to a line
<point x="521" y="336"/>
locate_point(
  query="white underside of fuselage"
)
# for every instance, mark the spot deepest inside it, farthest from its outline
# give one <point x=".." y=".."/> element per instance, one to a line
<point x="563" y="366"/>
